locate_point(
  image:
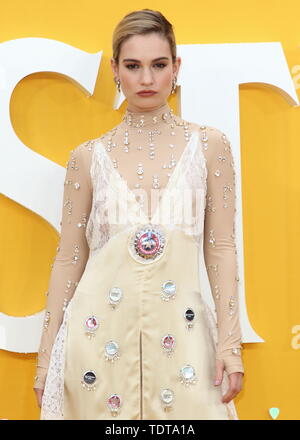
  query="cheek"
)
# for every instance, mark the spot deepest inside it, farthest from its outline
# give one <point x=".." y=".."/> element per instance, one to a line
<point x="166" y="78"/>
<point x="127" y="79"/>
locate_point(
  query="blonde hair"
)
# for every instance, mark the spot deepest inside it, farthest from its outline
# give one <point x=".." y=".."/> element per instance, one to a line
<point x="142" y="22"/>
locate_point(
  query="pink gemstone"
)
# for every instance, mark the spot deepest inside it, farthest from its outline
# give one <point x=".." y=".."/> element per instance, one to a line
<point x="168" y="341"/>
<point x="91" y="322"/>
<point x="114" y="401"/>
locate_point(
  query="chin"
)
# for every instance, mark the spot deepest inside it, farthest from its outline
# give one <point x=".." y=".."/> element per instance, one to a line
<point x="149" y="100"/>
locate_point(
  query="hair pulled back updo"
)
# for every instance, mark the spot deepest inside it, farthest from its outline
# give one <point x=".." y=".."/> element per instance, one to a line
<point x="142" y="22"/>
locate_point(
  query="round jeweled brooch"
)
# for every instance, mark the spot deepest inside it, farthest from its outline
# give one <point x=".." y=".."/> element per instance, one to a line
<point x="147" y="243"/>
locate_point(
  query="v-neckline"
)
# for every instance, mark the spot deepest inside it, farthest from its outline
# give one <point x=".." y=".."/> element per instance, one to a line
<point x="164" y="190"/>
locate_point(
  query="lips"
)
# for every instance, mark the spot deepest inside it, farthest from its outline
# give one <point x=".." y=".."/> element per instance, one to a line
<point x="146" y="92"/>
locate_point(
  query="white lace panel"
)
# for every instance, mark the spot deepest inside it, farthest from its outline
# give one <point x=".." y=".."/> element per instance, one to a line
<point x="115" y="207"/>
<point x="53" y="397"/>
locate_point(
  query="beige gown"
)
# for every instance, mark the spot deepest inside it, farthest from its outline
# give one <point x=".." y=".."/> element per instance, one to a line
<point x="127" y="333"/>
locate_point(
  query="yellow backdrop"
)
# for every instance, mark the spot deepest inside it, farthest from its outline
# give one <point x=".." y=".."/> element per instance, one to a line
<point x="52" y="117"/>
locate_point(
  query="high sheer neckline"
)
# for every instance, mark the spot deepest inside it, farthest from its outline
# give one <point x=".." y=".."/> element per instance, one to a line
<point x="153" y="118"/>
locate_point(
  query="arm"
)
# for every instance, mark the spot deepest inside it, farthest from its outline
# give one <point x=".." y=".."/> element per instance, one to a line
<point x="220" y="248"/>
<point x="72" y="252"/>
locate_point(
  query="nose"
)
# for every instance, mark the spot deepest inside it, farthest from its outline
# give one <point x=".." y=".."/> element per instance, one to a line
<point x="146" y="77"/>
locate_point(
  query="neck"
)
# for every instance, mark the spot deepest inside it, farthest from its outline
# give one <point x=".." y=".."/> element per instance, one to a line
<point x="147" y="118"/>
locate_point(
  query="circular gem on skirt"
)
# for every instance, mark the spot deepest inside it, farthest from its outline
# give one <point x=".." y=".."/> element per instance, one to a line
<point x="189" y="316"/>
<point x="187" y="374"/>
<point x="91" y="324"/>
<point x="115" y="295"/>
<point x="168" y="290"/>
<point x="111" y="351"/>
<point x="89" y="379"/>
<point x="168" y="343"/>
<point x="167" y="398"/>
<point x="114" y="403"/>
<point x="147" y="243"/>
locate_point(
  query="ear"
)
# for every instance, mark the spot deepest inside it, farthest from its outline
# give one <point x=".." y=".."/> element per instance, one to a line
<point x="114" y="67"/>
<point x="177" y="65"/>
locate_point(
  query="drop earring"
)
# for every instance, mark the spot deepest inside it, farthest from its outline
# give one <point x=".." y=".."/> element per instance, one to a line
<point x="118" y="94"/>
<point x="174" y="85"/>
<point x="118" y="84"/>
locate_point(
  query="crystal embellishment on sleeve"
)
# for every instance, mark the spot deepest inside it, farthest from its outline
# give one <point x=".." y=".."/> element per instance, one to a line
<point x="231" y="305"/>
<point x="82" y="223"/>
<point x="46" y="320"/>
<point x="76" y="254"/>
<point x="212" y="239"/>
<point x="216" y="292"/>
<point x="65" y="304"/>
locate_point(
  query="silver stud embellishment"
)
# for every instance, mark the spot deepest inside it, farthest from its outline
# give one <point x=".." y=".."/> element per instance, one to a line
<point x="168" y="290"/>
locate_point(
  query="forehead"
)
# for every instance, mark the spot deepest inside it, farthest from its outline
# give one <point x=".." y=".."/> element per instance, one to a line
<point x="145" y="47"/>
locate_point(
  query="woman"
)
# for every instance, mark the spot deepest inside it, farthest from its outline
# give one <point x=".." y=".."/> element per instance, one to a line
<point x="127" y="333"/>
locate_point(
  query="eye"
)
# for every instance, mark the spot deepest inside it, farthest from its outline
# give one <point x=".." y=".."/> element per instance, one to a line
<point x="129" y="66"/>
<point x="160" y="65"/>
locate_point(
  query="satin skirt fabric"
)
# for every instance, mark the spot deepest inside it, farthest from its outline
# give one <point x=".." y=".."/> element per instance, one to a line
<point x="137" y="324"/>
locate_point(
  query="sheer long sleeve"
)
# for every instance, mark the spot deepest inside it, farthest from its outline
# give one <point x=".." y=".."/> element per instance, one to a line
<point x="72" y="252"/>
<point x="220" y="248"/>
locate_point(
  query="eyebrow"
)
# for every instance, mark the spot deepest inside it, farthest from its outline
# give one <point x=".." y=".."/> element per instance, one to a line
<point x="156" y="59"/>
